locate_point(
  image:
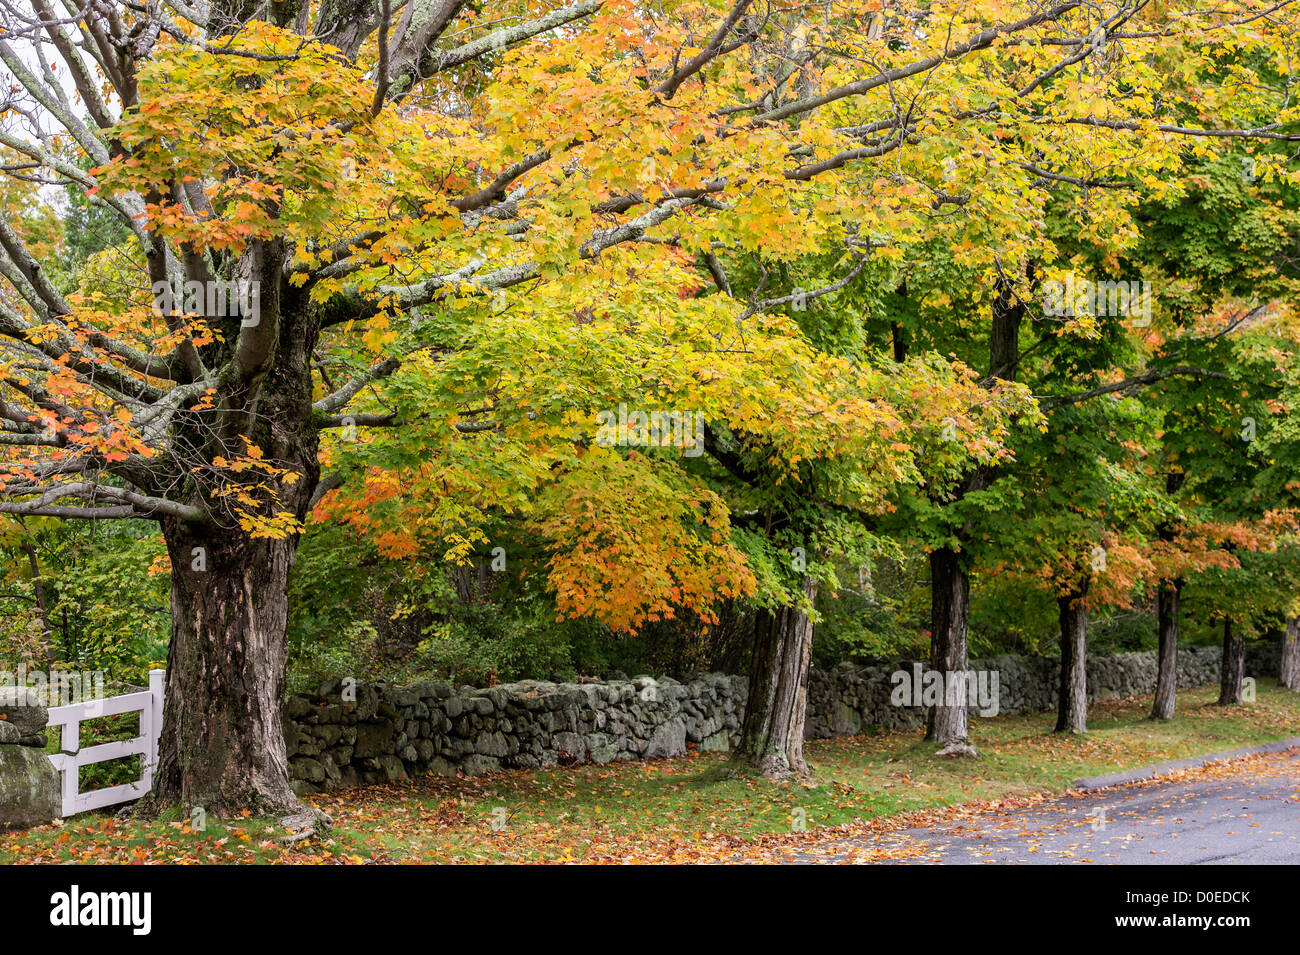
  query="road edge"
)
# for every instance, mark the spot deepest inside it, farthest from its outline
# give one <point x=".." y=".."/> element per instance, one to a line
<point x="1094" y="783"/>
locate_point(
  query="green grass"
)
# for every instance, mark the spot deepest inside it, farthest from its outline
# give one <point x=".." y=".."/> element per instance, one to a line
<point x="697" y="808"/>
<point x="856" y="779"/>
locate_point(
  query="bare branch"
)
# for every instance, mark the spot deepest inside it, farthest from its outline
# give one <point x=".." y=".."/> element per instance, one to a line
<point x="1129" y="385"/>
<point x="717" y="46"/>
<point x="345" y="394"/>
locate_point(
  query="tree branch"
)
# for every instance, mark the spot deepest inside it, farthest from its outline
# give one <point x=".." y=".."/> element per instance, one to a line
<point x="1129" y="384"/>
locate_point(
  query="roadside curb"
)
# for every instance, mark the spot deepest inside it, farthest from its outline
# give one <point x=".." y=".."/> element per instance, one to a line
<point x="1092" y="783"/>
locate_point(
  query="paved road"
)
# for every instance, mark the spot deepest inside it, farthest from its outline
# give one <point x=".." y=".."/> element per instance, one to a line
<point x="1246" y="811"/>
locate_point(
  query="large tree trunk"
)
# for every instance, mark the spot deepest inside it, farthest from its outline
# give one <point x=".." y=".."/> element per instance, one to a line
<point x="1167" y="597"/>
<point x="222" y="746"/>
<point x="1072" y="704"/>
<point x="946" y="724"/>
<point x="1288" y="676"/>
<point x="1233" y="670"/>
<point x="771" y="737"/>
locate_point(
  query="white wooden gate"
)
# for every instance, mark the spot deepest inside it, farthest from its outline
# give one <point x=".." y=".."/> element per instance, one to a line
<point x="149" y="704"/>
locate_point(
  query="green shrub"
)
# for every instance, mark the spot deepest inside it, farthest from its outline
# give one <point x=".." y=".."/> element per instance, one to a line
<point x="487" y="644"/>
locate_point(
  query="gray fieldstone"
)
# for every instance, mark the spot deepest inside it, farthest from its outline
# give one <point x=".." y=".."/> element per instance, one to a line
<point x="431" y="727"/>
<point x="667" y="742"/>
<point x="23" y="708"/>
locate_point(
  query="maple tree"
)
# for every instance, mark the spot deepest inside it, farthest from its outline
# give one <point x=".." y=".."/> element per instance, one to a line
<point x="1217" y="246"/>
<point x="374" y="248"/>
<point x="969" y="236"/>
<point x="1096" y="228"/>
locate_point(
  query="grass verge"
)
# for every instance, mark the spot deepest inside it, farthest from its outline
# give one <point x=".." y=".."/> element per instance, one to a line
<point x="689" y="809"/>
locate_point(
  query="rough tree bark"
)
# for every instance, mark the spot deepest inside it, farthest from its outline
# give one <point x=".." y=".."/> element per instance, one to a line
<point x="1233" y="670"/>
<point x="222" y="745"/>
<point x="1072" y="703"/>
<point x="949" y="581"/>
<point x="771" y="737"/>
<point x="1289" y="673"/>
<point x="1168" y="596"/>
<point x="949" y="612"/>
<point x="1008" y="313"/>
<point x="1167" y="599"/>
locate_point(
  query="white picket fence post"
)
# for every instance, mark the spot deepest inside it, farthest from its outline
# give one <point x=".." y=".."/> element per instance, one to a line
<point x="157" y="680"/>
<point x="149" y="704"/>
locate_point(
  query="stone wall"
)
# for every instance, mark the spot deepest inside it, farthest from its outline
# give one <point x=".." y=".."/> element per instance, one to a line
<point x="29" y="785"/>
<point x="849" y="698"/>
<point x="374" y="732"/>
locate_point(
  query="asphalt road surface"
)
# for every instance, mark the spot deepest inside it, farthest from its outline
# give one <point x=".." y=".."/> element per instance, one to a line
<point x="1241" y="816"/>
<point x="1246" y="811"/>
